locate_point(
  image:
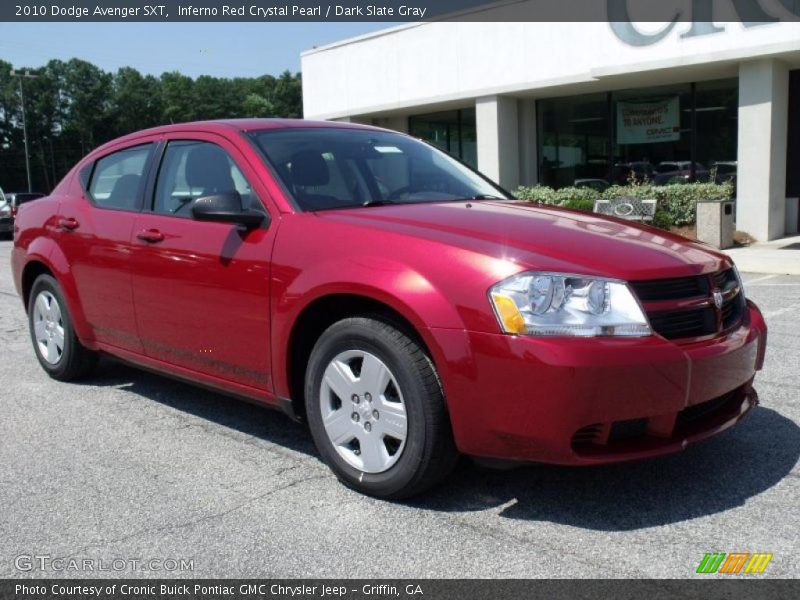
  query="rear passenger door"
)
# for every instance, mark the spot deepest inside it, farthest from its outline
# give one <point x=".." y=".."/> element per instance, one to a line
<point x="202" y="288"/>
<point x="94" y="233"/>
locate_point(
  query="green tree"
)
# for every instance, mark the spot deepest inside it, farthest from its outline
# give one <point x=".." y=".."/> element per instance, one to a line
<point x="137" y="101"/>
<point x="215" y="98"/>
<point x="255" y="105"/>
<point x="177" y="92"/>
<point x="72" y="107"/>
<point x="287" y="96"/>
<point x="88" y="92"/>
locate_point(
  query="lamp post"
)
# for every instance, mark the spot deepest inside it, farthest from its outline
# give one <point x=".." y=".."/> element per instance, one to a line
<point x="24" y="75"/>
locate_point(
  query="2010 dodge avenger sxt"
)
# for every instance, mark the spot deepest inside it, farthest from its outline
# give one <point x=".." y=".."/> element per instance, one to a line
<point x="406" y="307"/>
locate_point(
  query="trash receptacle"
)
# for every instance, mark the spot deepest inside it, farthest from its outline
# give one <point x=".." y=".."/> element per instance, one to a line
<point x="715" y="224"/>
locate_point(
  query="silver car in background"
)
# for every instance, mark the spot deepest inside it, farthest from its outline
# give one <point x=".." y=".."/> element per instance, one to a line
<point x="6" y="216"/>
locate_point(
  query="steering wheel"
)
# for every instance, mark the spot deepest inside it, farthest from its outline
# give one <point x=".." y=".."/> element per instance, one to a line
<point x="395" y="195"/>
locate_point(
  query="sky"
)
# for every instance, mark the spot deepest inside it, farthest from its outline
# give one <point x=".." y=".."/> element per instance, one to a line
<point x="218" y="49"/>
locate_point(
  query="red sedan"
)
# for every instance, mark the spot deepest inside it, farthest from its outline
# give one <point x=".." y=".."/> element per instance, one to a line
<point x="402" y="304"/>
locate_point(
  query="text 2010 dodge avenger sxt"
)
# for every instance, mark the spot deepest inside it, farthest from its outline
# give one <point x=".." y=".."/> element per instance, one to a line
<point x="402" y="304"/>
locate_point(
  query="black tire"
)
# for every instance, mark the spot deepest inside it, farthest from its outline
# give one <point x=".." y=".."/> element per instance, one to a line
<point x="75" y="360"/>
<point x="429" y="453"/>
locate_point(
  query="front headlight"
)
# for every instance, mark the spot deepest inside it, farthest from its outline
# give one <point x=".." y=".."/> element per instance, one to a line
<point x="569" y="305"/>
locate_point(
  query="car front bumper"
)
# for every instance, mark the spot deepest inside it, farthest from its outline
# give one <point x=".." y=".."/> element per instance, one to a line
<point x="6" y="224"/>
<point x="587" y="401"/>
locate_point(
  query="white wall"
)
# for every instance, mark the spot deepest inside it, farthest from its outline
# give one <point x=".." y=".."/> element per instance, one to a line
<point x="500" y="67"/>
<point x="446" y="61"/>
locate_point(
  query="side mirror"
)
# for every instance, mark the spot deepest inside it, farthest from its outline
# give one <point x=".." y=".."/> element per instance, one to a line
<point x="226" y="208"/>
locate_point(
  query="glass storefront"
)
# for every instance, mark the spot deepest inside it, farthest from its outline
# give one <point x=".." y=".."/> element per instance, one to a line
<point x="453" y="131"/>
<point x="793" y="149"/>
<point x="667" y="134"/>
<point x="573" y="139"/>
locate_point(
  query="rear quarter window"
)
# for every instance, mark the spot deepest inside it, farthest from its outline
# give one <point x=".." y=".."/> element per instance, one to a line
<point x="117" y="179"/>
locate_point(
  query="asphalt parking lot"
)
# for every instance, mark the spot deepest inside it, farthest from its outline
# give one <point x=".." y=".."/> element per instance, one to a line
<point x="130" y="465"/>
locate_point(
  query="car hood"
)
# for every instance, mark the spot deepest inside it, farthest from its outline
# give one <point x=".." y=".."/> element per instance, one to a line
<point x="544" y="238"/>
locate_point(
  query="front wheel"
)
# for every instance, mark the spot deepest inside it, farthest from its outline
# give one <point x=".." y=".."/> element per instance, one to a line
<point x="58" y="349"/>
<point x="376" y="409"/>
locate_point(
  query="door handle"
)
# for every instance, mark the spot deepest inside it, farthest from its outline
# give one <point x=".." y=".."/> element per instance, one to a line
<point x="152" y="236"/>
<point x="68" y="224"/>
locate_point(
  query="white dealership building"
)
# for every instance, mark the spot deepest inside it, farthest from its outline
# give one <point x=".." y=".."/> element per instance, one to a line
<point x="552" y="103"/>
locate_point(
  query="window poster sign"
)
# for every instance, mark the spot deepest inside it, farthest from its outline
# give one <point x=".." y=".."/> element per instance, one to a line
<point x="649" y="121"/>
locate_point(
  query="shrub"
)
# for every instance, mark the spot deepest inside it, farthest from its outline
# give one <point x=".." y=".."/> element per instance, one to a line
<point x="545" y="195"/>
<point x="676" y="205"/>
<point x="584" y="204"/>
<point x="540" y="194"/>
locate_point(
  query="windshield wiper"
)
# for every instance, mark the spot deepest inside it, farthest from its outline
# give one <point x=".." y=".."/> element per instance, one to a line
<point x="484" y="197"/>
<point x="378" y="202"/>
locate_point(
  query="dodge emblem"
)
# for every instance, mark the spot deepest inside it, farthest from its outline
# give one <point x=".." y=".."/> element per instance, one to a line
<point x="717" y="298"/>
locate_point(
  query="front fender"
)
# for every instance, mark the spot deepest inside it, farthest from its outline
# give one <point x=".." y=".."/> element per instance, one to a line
<point x="401" y="288"/>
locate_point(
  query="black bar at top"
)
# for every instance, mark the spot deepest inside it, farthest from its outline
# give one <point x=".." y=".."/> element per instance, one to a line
<point x="749" y="11"/>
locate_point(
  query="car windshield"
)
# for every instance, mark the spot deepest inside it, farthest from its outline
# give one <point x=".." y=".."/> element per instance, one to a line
<point x="328" y="168"/>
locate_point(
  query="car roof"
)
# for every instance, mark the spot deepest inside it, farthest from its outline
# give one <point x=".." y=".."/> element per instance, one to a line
<point x="242" y="125"/>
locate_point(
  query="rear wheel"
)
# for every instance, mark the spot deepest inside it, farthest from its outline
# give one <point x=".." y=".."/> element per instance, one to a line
<point x="376" y="409"/>
<point x="57" y="347"/>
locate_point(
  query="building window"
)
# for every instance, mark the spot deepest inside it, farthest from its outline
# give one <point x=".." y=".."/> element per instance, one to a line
<point x="653" y="134"/>
<point x="574" y="139"/>
<point x="717" y="127"/>
<point x="453" y="131"/>
<point x="664" y="135"/>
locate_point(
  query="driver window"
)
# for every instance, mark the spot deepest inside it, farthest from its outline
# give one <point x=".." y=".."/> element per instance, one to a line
<point x="193" y="169"/>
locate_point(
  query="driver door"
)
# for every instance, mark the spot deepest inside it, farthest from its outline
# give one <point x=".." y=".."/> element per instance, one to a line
<point x="201" y="289"/>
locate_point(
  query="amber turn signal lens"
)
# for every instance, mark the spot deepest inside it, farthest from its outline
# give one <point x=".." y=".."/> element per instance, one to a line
<point x="509" y="315"/>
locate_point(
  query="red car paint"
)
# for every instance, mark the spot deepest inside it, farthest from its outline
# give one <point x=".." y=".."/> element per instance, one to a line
<point x="216" y="305"/>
